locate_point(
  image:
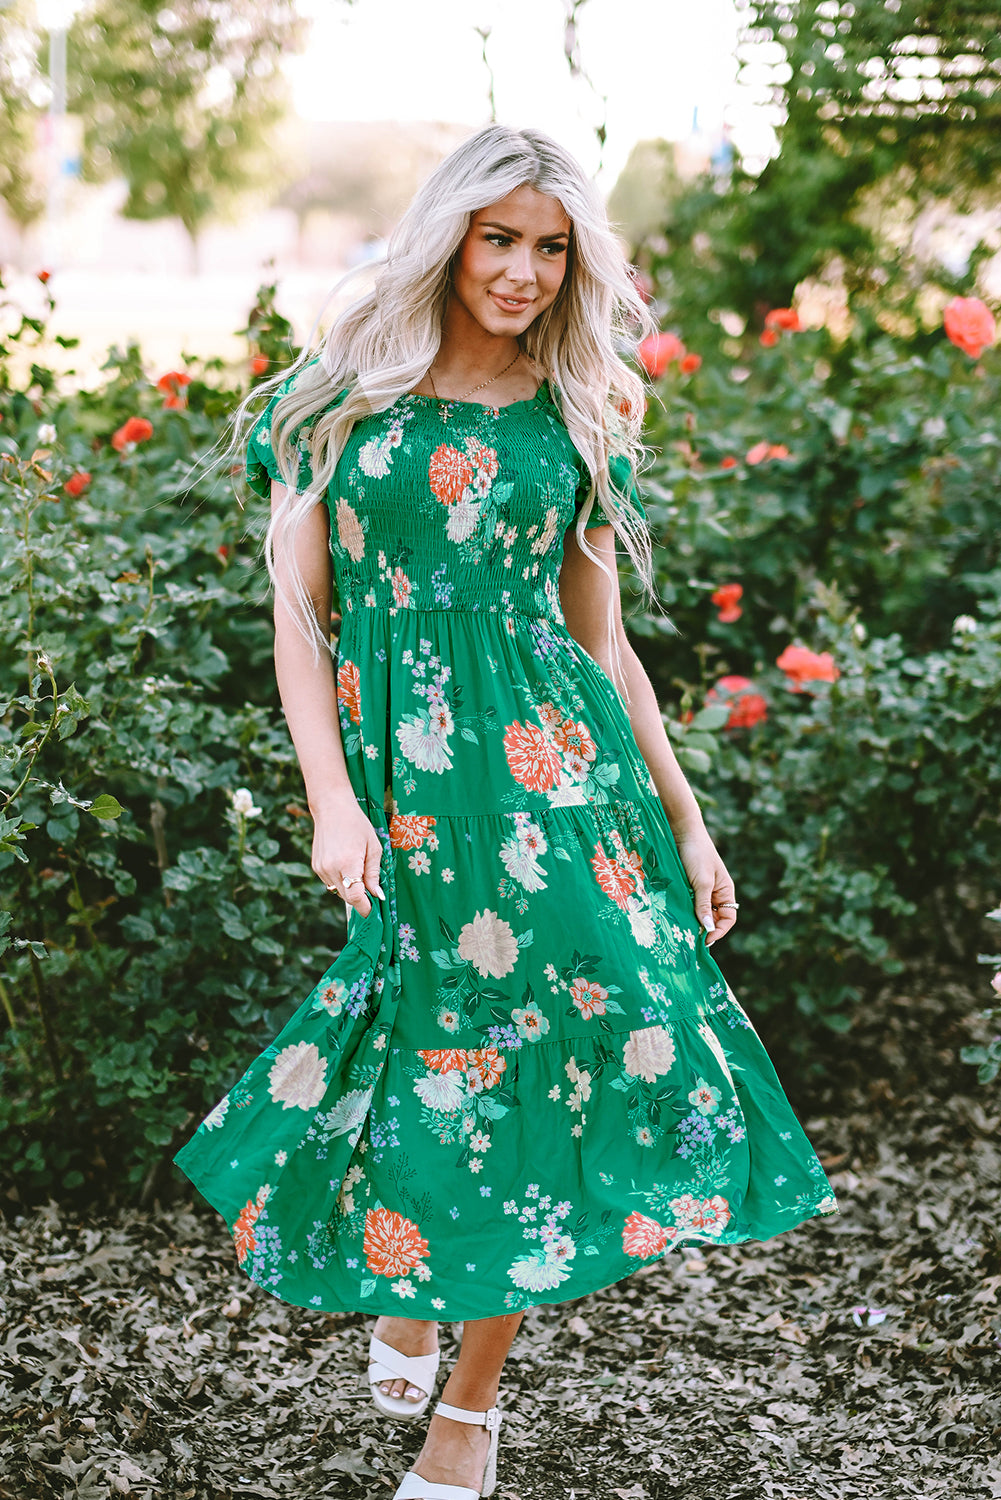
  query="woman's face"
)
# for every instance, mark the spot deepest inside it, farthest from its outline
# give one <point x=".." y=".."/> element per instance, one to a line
<point x="512" y="261"/>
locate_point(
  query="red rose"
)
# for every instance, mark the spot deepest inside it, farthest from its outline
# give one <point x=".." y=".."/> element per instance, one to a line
<point x="784" y="317"/>
<point x="656" y="353"/>
<point x="135" y="430"/>
<point x="726" y="600"/>
<point x="172" y="385"/>
<point x="769" y="338"/>
<point x="690" y="364"/>
<point x="77" y="483"/>
<point x="802" y="665"/>
<point x="729" y="462"/>
<point x="778" y="450"/>
<point x="747" y="708"/>
<point x="969" y="323"/>
<point x="43" y="277"/>
<point x="259" y="364"/>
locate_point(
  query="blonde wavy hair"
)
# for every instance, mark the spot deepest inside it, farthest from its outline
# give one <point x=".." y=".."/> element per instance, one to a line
<point x="382" y="345"/>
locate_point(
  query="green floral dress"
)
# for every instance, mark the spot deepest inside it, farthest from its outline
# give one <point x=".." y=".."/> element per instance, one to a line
<point x="524" y="1075"/>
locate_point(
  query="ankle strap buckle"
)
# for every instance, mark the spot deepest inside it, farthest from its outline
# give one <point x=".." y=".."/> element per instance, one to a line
<point x="491" y="1418"/>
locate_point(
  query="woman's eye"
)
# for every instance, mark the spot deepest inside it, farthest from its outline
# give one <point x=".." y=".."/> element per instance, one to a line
<point x="498" y="239"/>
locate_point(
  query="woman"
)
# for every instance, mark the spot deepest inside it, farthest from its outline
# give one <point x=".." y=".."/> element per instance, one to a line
<point x="524" y="1076"/>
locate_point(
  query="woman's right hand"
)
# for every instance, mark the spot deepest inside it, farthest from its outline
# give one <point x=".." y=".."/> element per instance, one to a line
<point x="346" y="845"/>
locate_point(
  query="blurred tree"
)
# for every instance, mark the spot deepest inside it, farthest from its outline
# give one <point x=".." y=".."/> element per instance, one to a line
<point x="181" y="100"/>
<point x="22" y="106"/>
<point x="884" y="105"/>
<point x="645" y="190"/>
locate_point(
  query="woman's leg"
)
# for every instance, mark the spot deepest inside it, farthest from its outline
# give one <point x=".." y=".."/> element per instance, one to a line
<point x="410" y="1337"/>
<point x="453" y="1452"/>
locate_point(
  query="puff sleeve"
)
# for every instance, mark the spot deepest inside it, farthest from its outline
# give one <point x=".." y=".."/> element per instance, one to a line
<point x="261" y="463"/>
<point x="620" y="476"/>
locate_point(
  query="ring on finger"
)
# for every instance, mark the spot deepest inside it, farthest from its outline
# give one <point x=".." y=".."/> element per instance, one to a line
<point x="350" y="880"/>
<point x="719" y="905"/>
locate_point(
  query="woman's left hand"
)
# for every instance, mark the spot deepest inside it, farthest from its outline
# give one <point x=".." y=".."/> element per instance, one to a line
<point x="710" y="881"/>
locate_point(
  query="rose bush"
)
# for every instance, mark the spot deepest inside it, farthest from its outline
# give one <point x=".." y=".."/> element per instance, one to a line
<point x="843" y="727"/>
<point x="159" y="917"/>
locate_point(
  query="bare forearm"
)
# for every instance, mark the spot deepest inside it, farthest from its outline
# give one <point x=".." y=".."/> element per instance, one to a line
<point x="309" y="698"/>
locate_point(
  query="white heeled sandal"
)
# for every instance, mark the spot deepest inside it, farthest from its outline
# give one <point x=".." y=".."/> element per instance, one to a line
<point x="387" y="1363"/>
<point x="413" y="1487"/>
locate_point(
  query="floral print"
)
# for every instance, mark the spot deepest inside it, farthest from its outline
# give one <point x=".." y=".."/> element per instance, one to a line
<point x="524" y="1075"/>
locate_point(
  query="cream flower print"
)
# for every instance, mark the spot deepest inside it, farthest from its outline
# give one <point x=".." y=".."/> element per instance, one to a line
<point x="348" y="1113"/>
<point x="375" y="458"/>
<point x="350" y="532"/>
<point x="648" y="1054"/>
<point x="298" y="1076"/>
<point x="215" y="1119"/>
<point x="520" y="853"/>
<point x="488" y="943"/>
<point x="463" y="519"/>
<point x="581" y="1080"/>
<point x="442" y="1091"/>
<point x="547" y="535"/>
<point x="423" y="738"/>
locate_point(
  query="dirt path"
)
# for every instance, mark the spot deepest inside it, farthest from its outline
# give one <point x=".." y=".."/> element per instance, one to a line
<point x="855" y="1357"/>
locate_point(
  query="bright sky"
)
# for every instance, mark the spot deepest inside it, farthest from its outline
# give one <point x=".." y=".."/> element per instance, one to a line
<point x="656" y="60"/>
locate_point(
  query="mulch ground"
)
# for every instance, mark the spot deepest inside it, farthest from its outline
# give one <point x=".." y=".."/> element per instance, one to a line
<point x="854" y="1357"/>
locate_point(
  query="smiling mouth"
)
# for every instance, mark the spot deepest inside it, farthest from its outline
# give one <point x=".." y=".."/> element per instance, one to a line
<point x="511" y="304"/>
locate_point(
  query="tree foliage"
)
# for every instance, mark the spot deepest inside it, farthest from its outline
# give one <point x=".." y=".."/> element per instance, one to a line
<point x="21" y="100"/>
<point x="181" y="100"/>
<point x="883" y="108"/>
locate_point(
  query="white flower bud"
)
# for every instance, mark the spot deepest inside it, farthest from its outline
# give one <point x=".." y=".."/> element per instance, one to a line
<point x="243" y="803"/>
<point x="964" y="625"/>
<point x="47" y="435"/>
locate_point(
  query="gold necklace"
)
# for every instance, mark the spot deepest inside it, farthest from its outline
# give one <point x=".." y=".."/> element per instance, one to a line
<point x="475" y="388"/>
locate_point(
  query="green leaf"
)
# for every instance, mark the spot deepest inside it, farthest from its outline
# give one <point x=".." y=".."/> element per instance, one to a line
<point x="713" y="716"/>
<point x="105" y="807"/>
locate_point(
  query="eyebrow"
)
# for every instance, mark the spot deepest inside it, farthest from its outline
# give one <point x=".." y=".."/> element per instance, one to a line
<point x="558" y="234"/>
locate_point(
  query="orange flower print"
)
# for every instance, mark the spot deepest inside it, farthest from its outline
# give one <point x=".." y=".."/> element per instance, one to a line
<point x="393" y="1245"/>
<point x="243" y="1230"/>
<point x="575" y="739"/>
<point x="642" y="1236"/>
<point x="484" y="1067"/>
<point x="402" y="588"/>
<point x="589" y="998"/>
<point x="532" y="759"/>
<point x="349" y="689"/>
<point x="408" y="831"/>
<point x="709" y="1216"/>
<point x="450" y="473"/>
<point x="616" y="881"/>
<point x="445" y="1059"/>
<point x="487" y="467"/>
